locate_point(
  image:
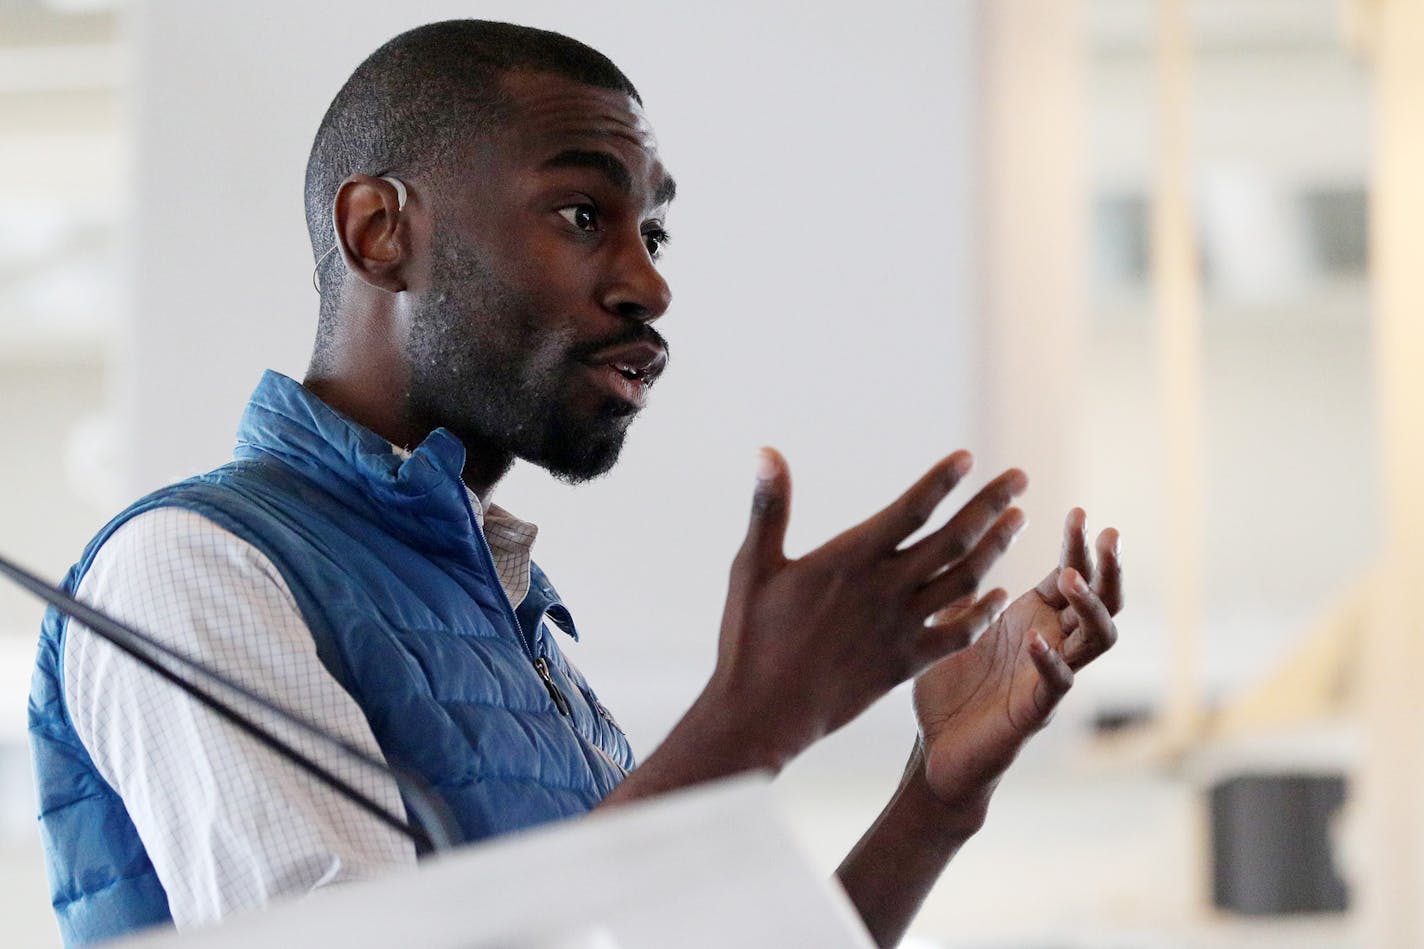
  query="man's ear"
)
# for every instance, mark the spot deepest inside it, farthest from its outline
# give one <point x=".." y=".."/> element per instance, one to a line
<point x="372" y="230"/>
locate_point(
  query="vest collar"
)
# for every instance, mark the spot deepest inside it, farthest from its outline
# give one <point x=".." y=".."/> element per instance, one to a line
<point x="419" y="499"/>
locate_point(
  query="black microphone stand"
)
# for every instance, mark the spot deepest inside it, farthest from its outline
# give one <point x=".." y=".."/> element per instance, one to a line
<point x="435" y="829"/>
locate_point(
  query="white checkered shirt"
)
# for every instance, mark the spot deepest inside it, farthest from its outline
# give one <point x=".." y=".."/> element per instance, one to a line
<point x="227" y="823"/>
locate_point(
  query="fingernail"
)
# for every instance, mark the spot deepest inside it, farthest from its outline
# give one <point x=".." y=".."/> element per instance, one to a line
<point x="1037" y="643"/>
<point x="999" y="604"/>
<point x="766" y="467"/>
<point x="1079" y="584"/>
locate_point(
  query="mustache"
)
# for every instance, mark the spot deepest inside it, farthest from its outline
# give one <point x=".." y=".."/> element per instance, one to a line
<point x="637" y="333"/>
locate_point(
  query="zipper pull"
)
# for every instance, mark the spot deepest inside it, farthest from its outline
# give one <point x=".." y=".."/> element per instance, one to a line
<point x="561" y="703"/>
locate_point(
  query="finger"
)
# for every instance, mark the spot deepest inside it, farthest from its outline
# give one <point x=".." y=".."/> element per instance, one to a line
<point x="1096" y="632"/>
<point x="771" y="508"/>
<point x="964" y="577"/>
<point x="960" y="631"/>
<point x="911" y="510"/>
<point x="1055" y="676"/>
<point x="965" y="528"/>
<point x="1074" y="553"/>
<point x="1075" y="544"/>
<point x="1109" y="580"/>
<point x="1107" y="585"/>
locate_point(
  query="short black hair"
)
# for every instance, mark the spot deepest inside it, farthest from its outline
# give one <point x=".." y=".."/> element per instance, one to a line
<point x="416" y="100"/>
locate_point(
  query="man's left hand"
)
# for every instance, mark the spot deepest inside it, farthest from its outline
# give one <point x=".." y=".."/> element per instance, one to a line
<point x="977" y="707"/>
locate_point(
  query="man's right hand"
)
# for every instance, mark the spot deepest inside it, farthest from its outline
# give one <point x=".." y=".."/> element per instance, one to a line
<point x="808" y="644"/>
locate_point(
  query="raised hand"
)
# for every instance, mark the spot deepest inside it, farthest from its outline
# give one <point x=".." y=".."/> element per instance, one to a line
<point x="978" y="707"/>
<point x="808" y="643"/>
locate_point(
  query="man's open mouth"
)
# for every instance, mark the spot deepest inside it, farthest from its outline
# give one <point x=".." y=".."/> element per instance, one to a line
<point x="630" y="371"/>
<point x="641" y="362"/>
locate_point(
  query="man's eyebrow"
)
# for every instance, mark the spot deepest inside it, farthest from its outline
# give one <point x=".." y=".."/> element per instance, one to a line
<point x="667" y="190"/>
<point x="611" y="168"/>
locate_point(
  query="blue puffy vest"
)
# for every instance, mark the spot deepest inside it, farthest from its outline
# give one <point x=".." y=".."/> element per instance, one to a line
<point x="388" y="566"/>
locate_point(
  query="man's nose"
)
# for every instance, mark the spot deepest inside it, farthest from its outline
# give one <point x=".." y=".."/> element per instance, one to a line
<point x="635" y="290"/>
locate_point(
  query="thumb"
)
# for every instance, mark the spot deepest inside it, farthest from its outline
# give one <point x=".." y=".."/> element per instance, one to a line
<point x="771" y="508"/>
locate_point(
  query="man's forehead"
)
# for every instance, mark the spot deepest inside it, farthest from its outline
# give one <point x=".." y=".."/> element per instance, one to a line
<point x="551" y="118"/>
<point x="549" y="104"/>
<point x="550" y="122"/>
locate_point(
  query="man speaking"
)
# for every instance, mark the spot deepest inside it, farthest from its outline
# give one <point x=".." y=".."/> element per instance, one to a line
<point x="487" y="208"/>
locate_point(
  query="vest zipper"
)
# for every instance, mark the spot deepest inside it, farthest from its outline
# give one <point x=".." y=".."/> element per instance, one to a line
<point x="510" y="613"/>
<point x="562" y="704"/>
<point x="541" y="665"/>
<point x="607" y="716"/>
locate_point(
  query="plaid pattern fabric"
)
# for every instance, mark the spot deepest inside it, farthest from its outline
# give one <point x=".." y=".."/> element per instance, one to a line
<point x="227" y="823"/>
<point x="511" y="542"/>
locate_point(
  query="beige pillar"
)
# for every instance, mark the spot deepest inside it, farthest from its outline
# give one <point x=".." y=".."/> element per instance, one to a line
<point x="1391" y="791"/>
<point x="1177" y="305"/>
<point x="1034" y="234"/>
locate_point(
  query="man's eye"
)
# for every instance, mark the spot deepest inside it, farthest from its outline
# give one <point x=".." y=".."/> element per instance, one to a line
<point x="656" y="240"/>
<point x="582" y="216"/>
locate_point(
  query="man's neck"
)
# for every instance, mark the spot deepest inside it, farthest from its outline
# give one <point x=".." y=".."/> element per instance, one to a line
<point x="483" y="473"/>
<point x="484" y="466"/>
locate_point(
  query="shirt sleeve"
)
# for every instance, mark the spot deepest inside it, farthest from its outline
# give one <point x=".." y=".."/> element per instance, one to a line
<point x="228" y="823"/>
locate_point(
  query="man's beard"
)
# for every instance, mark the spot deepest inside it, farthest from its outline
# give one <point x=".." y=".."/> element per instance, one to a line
<point x="481" y="367"/>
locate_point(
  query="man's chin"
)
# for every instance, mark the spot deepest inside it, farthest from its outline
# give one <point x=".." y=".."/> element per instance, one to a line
<point x="577" y="461"/>
<point x="581" y="474"/>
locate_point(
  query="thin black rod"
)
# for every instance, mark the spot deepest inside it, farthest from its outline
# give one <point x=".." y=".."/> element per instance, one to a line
<point x="427" y="807"/>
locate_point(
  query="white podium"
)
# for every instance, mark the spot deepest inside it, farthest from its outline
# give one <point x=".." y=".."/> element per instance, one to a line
<point x="709" y="867"/>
